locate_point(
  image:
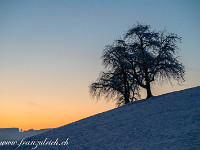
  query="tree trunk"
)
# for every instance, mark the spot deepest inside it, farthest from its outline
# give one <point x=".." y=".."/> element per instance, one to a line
<point x="148" y="88"/>
<point x="127" y="99"/>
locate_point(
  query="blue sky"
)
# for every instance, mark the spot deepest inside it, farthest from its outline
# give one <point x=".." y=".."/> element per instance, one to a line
<point x="50" y="50"/>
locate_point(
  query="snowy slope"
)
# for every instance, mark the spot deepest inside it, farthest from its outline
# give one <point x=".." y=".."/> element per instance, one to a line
<point x="170" y="121"/>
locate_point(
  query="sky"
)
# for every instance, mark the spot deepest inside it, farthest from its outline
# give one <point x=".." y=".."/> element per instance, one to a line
<point x="50" y="53"/>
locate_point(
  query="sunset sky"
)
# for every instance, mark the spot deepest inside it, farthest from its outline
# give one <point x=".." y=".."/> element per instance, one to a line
<point x="50" y="52"/>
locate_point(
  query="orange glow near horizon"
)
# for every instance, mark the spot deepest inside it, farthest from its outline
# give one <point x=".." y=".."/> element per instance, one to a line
<point x="50" y="116"/>
<point x="54" y="109"/>
<point x="46" y="111"/>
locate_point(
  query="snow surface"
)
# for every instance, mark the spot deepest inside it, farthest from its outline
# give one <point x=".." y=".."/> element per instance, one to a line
<point x="170" y="121"/>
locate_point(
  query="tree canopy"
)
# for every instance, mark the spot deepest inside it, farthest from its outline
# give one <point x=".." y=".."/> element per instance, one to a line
<point x="143" y="56"/>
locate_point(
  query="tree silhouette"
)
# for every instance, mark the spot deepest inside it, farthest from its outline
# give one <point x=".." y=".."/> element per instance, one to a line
<point x="153" y="56"/>
<point x="142" y="57"/>
<point x="117" y="82"/>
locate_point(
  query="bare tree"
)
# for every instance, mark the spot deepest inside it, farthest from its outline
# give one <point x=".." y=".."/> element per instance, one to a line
<point x="153" y="56"/>
<point x="117" y="82"/>
<point x="142" y="57"/>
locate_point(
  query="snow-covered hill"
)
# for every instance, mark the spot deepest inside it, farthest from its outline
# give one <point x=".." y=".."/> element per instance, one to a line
<point x="170" y="121"/>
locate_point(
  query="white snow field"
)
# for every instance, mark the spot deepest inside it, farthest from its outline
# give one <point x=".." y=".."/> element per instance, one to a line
<point x="170" y="121"/>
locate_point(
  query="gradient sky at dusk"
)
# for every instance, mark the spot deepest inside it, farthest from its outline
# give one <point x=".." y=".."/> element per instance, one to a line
<point x="50" y="52"/>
